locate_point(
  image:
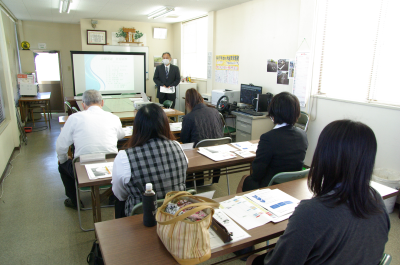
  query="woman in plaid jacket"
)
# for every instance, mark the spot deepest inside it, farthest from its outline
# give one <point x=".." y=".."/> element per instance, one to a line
<point x="151" y="156"/>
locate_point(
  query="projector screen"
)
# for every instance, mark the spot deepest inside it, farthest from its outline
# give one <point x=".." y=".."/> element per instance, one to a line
<point x="109" y="72"/>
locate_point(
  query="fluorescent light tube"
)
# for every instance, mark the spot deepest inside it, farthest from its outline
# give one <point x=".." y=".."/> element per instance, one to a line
<point x="160" y="12"/>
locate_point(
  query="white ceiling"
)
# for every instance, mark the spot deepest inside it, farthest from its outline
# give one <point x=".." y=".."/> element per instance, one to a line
<point x="131" y="10"/>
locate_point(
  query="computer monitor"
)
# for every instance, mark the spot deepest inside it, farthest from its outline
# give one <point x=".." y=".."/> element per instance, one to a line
<point x="248" y="93"/>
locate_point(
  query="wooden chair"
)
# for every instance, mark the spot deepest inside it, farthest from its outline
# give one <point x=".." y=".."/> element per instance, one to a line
<point x="40" y="105"/>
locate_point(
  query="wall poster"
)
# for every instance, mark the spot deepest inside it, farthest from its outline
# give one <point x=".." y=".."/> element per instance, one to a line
<point x="227" y="69"/>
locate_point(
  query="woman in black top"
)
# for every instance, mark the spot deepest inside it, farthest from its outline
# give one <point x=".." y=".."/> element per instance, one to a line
<point x="280" y="150"/>
<point x="346" y="221"/>
<point x="201" y="122"/>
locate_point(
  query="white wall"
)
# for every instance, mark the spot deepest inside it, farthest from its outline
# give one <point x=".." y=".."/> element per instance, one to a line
<point x="256" y="31"/>
<point x="156" y="46"/>
<point x="383" y="121"/>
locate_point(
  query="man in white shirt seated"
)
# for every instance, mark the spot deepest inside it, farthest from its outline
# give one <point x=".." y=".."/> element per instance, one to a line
<point x="91" y="131"/>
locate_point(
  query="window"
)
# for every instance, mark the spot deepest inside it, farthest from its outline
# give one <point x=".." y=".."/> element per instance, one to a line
<point x="194" y="48"/>
<point x="47" y="67"/>
<point x="356" y="48"/>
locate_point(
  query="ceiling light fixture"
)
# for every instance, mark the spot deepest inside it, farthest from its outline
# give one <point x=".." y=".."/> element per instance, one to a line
<point x="161" y="12"/>
<point x="65" y="6"/>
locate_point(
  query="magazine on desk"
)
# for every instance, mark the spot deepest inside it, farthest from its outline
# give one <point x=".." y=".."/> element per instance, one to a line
<point x="99" y="170"/>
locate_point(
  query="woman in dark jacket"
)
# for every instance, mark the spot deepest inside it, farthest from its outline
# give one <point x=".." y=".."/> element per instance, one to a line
<point x="201" y="122"/>
<point x="280" y="150"/>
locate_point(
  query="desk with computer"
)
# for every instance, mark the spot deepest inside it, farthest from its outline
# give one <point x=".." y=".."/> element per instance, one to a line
<point x="249" y="106"/>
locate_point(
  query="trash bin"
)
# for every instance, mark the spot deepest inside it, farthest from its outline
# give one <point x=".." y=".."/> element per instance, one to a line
<point x="390" y="178"/>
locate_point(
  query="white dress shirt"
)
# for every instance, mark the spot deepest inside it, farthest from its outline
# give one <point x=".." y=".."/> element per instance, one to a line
<point x="280" y="125"/>
<point x="121" y="174"/>
<point x="91" y="131"/>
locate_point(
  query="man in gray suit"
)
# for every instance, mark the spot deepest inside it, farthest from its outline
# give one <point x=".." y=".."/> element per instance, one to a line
<point x="167" y="75"/>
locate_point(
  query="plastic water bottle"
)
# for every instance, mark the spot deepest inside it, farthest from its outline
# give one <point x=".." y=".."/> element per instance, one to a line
<point x="149" y="200"/>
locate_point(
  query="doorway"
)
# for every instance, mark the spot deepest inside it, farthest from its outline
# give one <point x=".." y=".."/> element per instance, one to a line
<point x="48" y="72"/>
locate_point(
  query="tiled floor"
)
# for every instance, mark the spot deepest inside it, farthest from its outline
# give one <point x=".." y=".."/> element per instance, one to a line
<point x="36" y="228"/>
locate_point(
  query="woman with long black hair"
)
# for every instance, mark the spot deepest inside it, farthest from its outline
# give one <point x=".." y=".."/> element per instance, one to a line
<point x="151" y="156"/>
<point x="345" y="222"/>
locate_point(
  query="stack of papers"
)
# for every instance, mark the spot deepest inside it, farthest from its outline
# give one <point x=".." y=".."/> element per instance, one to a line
<point x="246" y="146"/>
<point x="176" y="126"/>
<point x="237" y="232"/>
<point x="260" y="207"/>
<point x="168" y="110"/>
<point x="218" y="153"/>
<point x="275" y="201"/>
<point x="99" y="170"/>
<point x="128" y="130"/>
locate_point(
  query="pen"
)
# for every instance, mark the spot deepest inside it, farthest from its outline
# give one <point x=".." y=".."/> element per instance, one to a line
<point x="108" y="170"/>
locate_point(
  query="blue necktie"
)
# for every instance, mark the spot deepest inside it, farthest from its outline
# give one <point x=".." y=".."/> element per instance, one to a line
<point x="166" y="72"/>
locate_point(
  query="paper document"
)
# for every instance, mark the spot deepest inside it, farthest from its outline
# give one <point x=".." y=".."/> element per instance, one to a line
<point x="275" y="201"/>
<point x="128" y="130"/>
<point x="217" y="156"/>
<point x="244" y="212"/>
<point x="219" y="148"/>
<point x="176" y="126"/>
<point x="245" y="154"/>
<point x="169" y="90"/>
<point x="188" y="146"/>
<point x="246" y="146"/>
<point x="381" y="189"/>
<point x="237" y="232"/>
<point x="100" y="170"/>
<point x="168" y="110"/>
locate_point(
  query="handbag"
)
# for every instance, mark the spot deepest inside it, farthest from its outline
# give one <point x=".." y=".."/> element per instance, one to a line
<point x="95" y="257"/>
<point x="187" y="241"/>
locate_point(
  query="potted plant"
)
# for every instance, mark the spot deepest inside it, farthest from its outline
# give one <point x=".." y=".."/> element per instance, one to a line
<point x="121" y="34"/>
<point x="138" y="35"/>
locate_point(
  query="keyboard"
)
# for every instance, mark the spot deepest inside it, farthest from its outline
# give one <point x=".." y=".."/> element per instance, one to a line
<point x="251" y="112"/>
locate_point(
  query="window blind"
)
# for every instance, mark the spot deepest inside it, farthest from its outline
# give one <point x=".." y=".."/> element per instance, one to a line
<point x="194" y="48"/>
<point x="356" y="43"/>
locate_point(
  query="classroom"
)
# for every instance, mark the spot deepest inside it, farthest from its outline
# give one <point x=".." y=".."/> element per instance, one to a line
<point x="36" y="228"/>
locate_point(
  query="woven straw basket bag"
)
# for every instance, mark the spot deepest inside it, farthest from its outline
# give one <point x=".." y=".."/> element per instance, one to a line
<point x="187" y="241"/>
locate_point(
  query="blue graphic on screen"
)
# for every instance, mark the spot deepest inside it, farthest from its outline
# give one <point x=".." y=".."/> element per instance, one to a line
<point x="93" y="81"/>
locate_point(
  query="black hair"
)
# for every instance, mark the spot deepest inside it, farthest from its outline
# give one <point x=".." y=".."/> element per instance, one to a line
<point x="284" y="108"/>
<point x="150" y="122"/>
<point x="342" y="167"/>
<point x="166" y="53"/>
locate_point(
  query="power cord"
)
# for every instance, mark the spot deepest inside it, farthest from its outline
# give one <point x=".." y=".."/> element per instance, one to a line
<point x="2" y="184"/>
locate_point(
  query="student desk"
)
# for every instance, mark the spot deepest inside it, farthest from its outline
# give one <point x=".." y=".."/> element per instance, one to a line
<point x="197" y="162"/>
<point x="25" y="100"/>
<point x="125" y="116"/>
<point x="125" y="240"/>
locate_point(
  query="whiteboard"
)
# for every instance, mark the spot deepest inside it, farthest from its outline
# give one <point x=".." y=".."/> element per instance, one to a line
<point x="121" y="48"/>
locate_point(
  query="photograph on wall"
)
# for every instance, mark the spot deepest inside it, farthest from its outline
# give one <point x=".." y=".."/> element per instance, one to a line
<point x="157" y="61"/>
<point x="291" y="68"/>
<point x="271" y="65"/>
<point x="282" y="77"/>
<point x="283" y="64"/>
